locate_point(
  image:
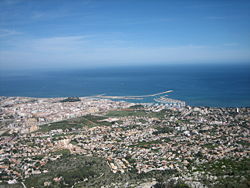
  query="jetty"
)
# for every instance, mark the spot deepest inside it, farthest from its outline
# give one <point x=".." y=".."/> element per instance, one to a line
<point x="138" y="97"/>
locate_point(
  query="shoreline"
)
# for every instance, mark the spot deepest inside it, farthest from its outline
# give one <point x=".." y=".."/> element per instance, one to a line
<point x="119" y="100"/>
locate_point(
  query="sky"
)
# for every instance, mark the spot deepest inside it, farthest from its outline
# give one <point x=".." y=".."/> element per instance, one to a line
<point x="36" y="34"/>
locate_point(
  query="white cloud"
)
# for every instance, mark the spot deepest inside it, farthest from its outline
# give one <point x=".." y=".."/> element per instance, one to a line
<point x="48" y="15"/>
<point x="7" y="32"/>
<point x="82" y="51"/>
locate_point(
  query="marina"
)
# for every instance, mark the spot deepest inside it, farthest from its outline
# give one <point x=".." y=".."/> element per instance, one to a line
<point x="163" y="100"/>
<point x="170" y="102"/>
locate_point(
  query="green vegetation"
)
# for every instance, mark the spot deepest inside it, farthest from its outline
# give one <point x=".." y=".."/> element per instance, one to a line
<point x="244" y="143"/>
<point x="123" y="113"/>
<point x="76" y="123"/>
<point x="210" y="145"/>
<point x="231" y="173"/>
<point x="59" y="125"/>
<point x="5" y="133"/>
<point x="71" y="99"/>
<point x="96" y="121"/>
<point x="87" y="172"/>
<point x="64" y="152"/>
<point x="38" y="157"/>
<point x="69" y="169"/>
<point x="5" y="185"/>
<point x="161" y="130"/>
<point x="130" y="160"/>
<point x="74" y="142"/>
<point x="172" y="184"/>
<point x="137" y="106"/>
<point x="142" y="121"/>
<point x="137" y="113"/>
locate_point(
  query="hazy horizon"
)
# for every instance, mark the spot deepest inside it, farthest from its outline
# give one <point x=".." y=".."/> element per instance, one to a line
<point x="89" y="33"/>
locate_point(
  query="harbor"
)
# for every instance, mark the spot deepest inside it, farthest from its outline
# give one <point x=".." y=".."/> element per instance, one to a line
<point x="162" y="100"/>
<point x="170" y="102"/>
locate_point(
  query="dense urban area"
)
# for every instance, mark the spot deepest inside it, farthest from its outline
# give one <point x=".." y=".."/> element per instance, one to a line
<point x="89" y="142"/>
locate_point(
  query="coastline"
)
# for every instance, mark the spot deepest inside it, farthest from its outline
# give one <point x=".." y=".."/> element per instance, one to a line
<point x="198" y="86"/>
<point x="28" y="113"/>
<point x="137" y="101"/>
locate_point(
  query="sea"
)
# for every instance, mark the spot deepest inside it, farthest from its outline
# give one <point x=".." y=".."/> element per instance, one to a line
<point x="217" y="85"/>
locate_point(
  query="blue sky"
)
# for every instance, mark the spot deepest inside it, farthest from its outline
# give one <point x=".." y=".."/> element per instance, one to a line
<point x="91" y="33"/>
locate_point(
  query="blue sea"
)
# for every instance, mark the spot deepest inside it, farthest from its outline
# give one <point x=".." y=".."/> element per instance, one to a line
<point x="203" y="85"/>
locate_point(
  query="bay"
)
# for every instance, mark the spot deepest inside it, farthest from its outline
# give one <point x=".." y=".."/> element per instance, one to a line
<point x="198" y="85"/>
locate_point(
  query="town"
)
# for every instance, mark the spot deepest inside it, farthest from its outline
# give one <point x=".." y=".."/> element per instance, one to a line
<point x="152" y="143"/>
